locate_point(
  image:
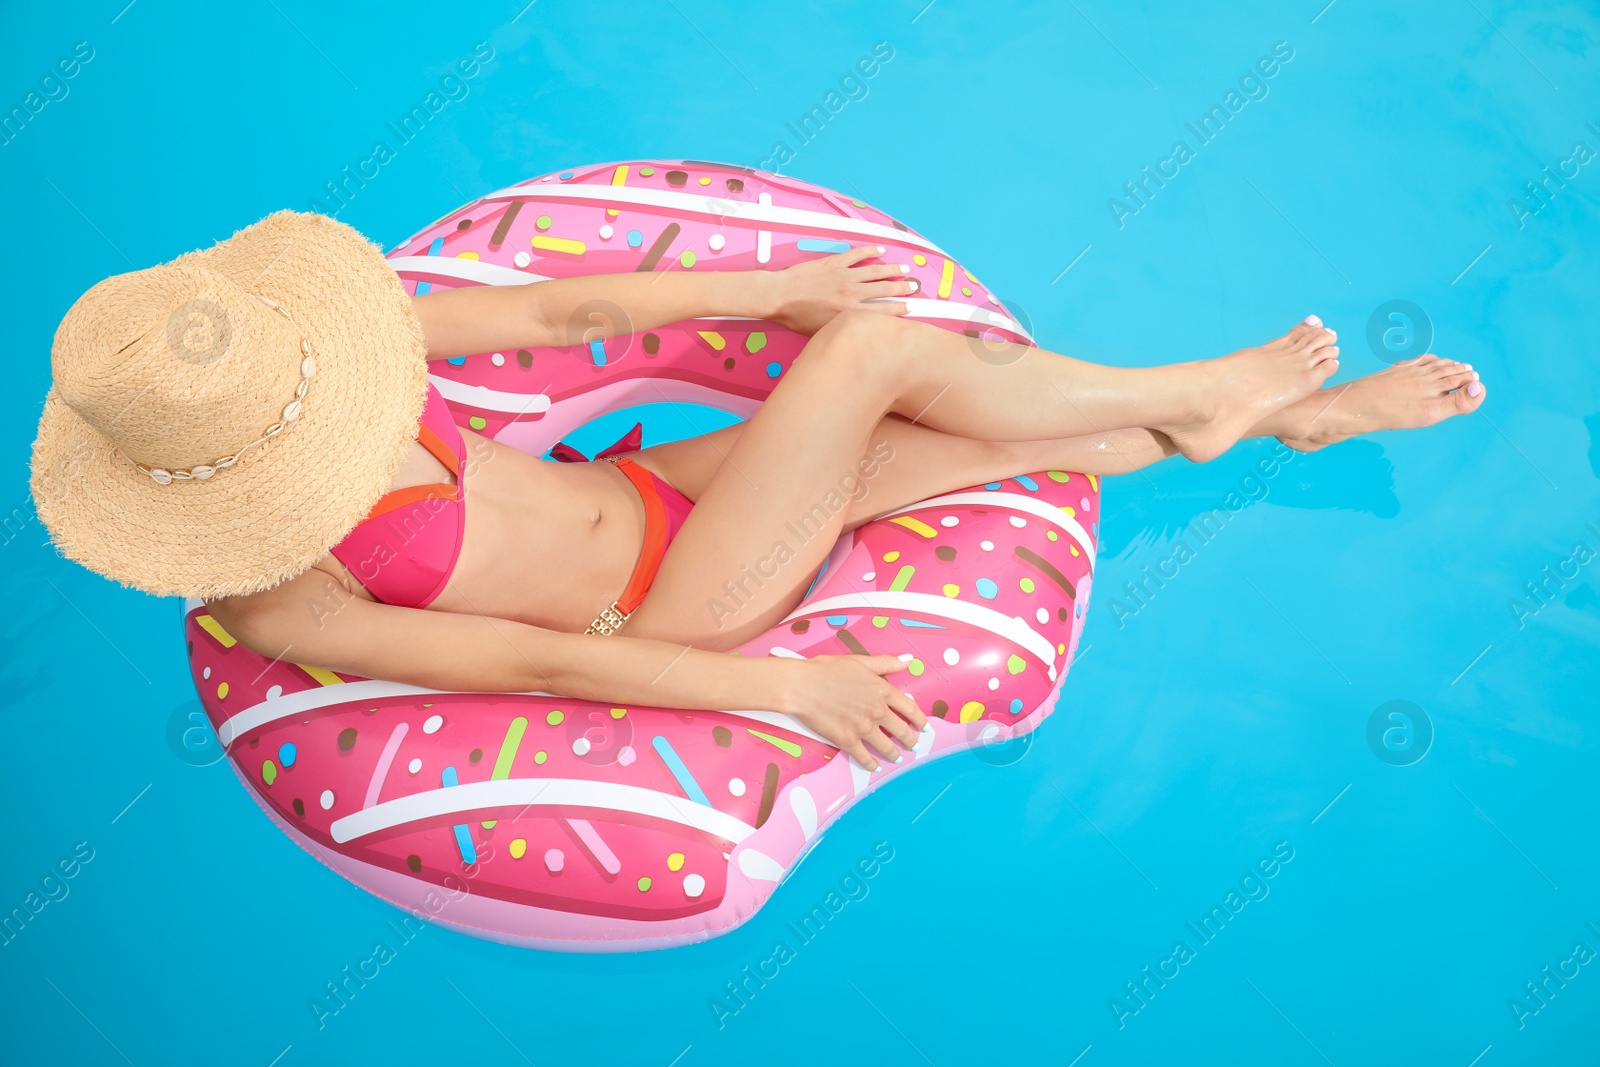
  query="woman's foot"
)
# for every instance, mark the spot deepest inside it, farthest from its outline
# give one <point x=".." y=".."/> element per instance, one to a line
<point x="1407" y="396"/>
<point x="1237" y="392"/>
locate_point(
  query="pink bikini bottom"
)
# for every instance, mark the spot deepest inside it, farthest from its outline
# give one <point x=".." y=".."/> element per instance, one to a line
<point x="664" y="510"/>
<point x="678" y="506"/>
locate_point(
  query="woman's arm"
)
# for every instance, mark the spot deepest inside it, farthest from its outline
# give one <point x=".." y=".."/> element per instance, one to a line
<point x="570" y="311"/>
<point x="311" y="619"/>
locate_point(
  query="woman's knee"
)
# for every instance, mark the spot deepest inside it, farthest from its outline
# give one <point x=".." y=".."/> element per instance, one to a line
<point x="862" y="347"/>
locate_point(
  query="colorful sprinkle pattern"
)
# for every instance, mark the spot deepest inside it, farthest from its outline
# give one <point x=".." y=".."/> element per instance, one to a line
<point x="586" y="827"/>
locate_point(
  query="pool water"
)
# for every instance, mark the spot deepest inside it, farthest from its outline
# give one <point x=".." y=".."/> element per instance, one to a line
<point x="1321" y="786"/>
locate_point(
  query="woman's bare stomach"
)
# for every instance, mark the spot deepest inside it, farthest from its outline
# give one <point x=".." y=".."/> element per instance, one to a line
<point x="548" y="544"/>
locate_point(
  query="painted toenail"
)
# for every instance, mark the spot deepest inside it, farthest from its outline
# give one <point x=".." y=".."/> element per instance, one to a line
<point x="1474" y="375"/>
<point x="1312" y="320"/>
<point x="1474" y="389"/>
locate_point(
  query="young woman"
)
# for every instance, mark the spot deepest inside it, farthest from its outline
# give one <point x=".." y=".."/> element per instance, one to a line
<point x="549" y="546"/>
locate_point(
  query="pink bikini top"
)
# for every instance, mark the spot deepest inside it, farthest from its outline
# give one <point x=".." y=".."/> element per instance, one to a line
<point x="404" y="551"/>
<point x="407" y="546"/>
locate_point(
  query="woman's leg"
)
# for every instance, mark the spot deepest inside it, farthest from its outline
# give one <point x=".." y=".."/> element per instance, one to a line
<point x="1406" y="396"/>
<point x="740" y="560"/>
<point x="1008" y="392"/>
<point x="924" y="463"/>
<point x="927" y="462"/>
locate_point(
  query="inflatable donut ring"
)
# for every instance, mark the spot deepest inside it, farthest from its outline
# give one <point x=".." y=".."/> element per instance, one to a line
<point x="535" y="820"/>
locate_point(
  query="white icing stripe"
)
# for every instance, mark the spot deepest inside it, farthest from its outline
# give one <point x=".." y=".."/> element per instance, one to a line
<point x="467" y="270"/>
<point x="781" y="721"/>
<point x="764" y="237"/>
<point x="766" y="215"/>
<point x="534" y="436"/>
<point x="947" y="309"/>
<point x="887" y="603"/>
<point x="481" y="396"/>
<point x="324" y="696"/>
<point x="291" y="704"/>
<point x="539" y="793"/>
<point x="1016" y="502"/>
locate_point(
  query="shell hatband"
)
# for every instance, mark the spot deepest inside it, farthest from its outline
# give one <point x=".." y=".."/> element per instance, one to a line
<point x="291" y="411"/>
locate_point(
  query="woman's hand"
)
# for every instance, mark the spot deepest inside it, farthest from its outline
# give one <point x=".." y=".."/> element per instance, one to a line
<point x="807" y="295"/>
<point x="848" y="701"/>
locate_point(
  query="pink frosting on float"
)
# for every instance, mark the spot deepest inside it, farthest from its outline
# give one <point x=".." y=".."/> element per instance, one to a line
<point x="576" y="826"/>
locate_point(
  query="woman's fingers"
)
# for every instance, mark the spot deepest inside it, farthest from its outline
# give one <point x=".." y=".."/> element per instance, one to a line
<point x="909" y="712"/>
<point x="881" y="290"/>
<point x="888" y="724"/>
<point x="858" y="254"/>
<point x="884" y="744"/>
<point x="859" y="753"/>
<point x="880" y="272"/>
<point x="884" y="663"/>
<point x="900" y="730"/>
<point x="902" y="718"/>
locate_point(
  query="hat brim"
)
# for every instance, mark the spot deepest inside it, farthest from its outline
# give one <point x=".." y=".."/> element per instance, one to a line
<point x="286" y="502"/>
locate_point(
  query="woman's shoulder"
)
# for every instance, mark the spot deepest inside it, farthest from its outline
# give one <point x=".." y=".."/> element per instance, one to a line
<point x="276" y="616"/>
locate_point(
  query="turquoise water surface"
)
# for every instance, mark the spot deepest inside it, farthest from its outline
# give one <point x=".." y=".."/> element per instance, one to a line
<point x="1343" y="701"/>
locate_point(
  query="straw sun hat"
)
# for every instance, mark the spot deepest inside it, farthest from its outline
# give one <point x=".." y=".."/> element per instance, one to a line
<point x="217" y="423"/>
